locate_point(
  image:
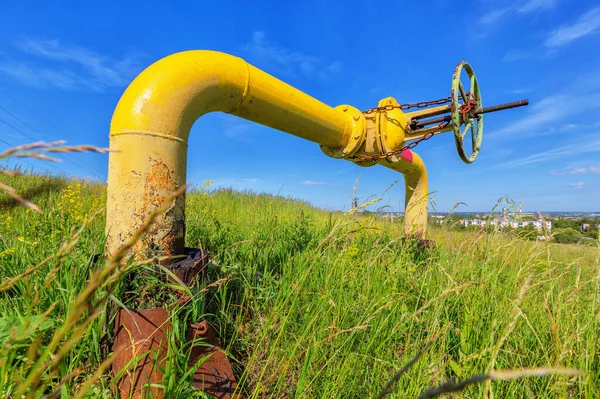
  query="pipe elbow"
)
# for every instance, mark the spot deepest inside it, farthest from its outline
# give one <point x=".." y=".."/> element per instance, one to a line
<point x="410" y="164"/>
<point x="416" y="184"/>
<point x="171" y="94"/>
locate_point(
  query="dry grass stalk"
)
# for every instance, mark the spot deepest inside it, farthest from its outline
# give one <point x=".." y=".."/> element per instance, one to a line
<point x="25" y="151"/>
<point x="494" y="375"/>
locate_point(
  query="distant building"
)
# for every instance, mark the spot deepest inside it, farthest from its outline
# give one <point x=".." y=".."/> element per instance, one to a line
<point x="584" y="227"/>
<point x="503" y="222"/>
<point x="474" y="222"/>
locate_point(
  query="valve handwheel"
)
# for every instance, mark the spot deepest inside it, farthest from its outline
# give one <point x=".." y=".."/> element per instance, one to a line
<point x="463" y="107"/>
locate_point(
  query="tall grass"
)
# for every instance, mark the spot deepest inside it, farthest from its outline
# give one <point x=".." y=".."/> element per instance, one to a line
<point x="311" y="303"/>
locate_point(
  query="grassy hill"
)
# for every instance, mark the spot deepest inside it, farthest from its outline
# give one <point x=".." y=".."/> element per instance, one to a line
<point x="312" y="304"/>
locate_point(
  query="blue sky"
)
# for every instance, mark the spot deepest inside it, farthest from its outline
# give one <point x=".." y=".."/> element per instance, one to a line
<point x="64" y="65"/>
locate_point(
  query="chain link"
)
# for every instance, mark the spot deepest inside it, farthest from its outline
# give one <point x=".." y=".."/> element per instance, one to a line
<point x="465" y="108"/>
<point x="468" y="106"/>
<point x="404" y="107"/>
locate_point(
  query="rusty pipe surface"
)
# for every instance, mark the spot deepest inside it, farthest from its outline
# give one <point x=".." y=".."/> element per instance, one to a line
<point x="152" y="121"/>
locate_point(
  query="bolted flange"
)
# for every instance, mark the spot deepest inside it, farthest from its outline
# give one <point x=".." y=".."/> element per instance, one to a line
<point x="356" y="137"/>
<point x="385" y="129"/>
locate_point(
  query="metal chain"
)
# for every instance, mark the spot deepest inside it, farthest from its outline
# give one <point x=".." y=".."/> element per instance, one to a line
<point x="468" y="106"/>
<point x="406" y="147"/>
<point x="404" y="107"/>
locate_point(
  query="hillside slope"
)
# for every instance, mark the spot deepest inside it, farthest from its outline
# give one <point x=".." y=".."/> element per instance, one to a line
<point x="313" y="304"/>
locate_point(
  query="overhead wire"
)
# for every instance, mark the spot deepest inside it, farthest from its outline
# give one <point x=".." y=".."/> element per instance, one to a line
<point x="9" y="125"/>
<point x="67" y="156"/>
<point x="21" y="160"/>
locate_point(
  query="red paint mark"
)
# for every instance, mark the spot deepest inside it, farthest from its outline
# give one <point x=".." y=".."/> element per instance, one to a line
<point x="407" y="155"/>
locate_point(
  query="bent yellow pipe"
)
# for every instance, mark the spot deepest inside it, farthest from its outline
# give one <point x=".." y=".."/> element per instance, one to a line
<point x="152" y="121"/>
<point x="417" y="192"/>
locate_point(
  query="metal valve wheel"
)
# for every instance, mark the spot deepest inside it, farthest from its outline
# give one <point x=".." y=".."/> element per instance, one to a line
<point x="464" y="105"/>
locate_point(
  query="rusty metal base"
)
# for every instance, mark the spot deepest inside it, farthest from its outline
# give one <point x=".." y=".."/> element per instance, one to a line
<point x="214" y="375"/>
<point x="426" y="244"/>
<point x="192" y="267"/>
<point x="141" y="344"/>
<point x="136" y="333"/>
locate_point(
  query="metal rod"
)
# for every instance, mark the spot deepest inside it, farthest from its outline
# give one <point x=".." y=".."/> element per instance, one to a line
<point x="494" y="108"/>
<point x="428" y="112"/>
<point x="418" y="133"/>
<point x="484" y="110"/>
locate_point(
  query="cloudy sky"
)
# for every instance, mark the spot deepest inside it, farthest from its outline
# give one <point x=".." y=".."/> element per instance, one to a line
<point x="64" y="66"/>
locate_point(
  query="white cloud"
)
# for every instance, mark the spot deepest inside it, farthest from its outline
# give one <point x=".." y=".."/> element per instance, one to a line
<point x="4" y="133"/>
<point x="312" y="183"/>
<point x="235" y="128"/>
<point x="536" y="5"/>
<point x="289" y="62"/>
<point x="45" y="77"/>
<point x="492" y="17"/>
<point x="517" y="55"/>
<point x="553" y="108"/>
<point x="335" y="67"/>
<point x="518" y="91"/>
<point x="68" y="67"/>
<point x="587" y="24"/>
<point x="592" y="145"/>
<point x="577" y="185"/>
<point x="592" y="169"/>
<point x="542" y="112"/>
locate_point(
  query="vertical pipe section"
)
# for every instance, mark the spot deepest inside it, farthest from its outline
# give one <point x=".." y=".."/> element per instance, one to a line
<point x="417" y="192"/>
<point x="152" y="121"/>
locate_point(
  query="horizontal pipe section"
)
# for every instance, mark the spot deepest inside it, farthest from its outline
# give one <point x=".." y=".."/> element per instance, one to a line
<point x="171" y="94"/>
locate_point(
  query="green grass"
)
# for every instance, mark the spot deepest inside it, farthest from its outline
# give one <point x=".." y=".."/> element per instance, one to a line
<point x="315" y="304"/>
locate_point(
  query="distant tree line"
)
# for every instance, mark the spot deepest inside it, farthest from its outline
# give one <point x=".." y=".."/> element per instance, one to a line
<point x="568" y="231"/>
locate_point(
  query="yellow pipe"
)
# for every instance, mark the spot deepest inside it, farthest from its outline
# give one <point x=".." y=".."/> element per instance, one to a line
<point x="152" y="121"/>
<point x="417" y="192"/>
